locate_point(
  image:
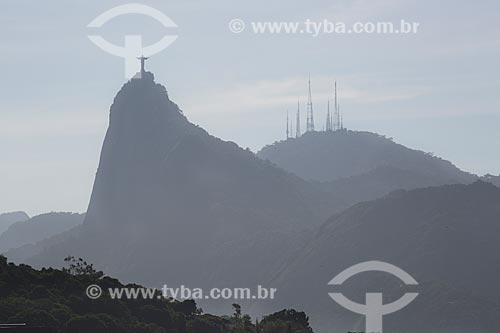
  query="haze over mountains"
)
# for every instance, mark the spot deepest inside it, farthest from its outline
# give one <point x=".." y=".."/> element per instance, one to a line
<point x="173" y="204"/>
<point x="38" y="228"/>
<point x="445" y="237"/>
<point x="354" y="166"/>
<point x="495" y="180"/>
<point x="329" y="156"/>
<point x="8" y="219"/>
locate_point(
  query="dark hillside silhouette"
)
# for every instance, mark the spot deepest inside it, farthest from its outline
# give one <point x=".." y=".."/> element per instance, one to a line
<point x="50" y="301"/>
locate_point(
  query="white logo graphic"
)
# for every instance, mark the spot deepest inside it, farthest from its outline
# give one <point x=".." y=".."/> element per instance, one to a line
<point x="133" y="43"/>
<point x="374" y="309"/>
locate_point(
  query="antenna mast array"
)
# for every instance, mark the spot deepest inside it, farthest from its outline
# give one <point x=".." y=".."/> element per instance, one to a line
<point x="334" y="119"/>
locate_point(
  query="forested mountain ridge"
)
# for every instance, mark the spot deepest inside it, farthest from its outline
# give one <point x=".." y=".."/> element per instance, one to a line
<point x="58" y="300"/>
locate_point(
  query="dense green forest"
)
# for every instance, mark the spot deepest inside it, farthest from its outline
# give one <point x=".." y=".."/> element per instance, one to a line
<point x="57" y="299"/>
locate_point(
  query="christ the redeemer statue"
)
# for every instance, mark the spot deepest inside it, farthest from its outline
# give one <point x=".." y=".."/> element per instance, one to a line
<point x="142" y="59"/>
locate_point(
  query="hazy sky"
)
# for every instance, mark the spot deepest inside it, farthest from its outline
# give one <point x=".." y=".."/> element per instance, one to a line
<point x="436" y="90"/>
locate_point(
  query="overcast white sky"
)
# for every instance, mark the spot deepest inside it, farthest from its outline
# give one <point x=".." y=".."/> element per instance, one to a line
<point x="436" y="90"/>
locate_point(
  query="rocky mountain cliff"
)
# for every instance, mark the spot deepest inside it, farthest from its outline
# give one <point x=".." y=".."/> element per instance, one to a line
<point x="173" y="204"/>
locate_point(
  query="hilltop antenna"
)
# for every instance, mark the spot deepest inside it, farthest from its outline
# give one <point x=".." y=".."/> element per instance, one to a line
<point x="297" y="121"/>
<point x="328" y="117"/>
<point x="310" y="113"/>
<point x="332" y="128"/>
<point x="338" y="108"/>
<point x="336" y="124"/>
<point x="338" y="121"/>
<point x="287" y="126"/>
<point x="341" y="119"/>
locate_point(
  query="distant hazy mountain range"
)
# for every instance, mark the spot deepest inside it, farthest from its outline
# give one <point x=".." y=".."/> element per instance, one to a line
<point x="492" y="179"/>
<point x="173" y="204"/>
<point x="355" y="166"/>
<point x="37" y="229"/>
<point x="446" y="237"/>
<point x="8" y="219"/>
<point x="328" y="156"/>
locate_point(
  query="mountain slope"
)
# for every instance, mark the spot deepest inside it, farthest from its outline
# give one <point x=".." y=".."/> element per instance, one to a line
<point x="8" y="219"/>
<point x="446" y="237"/>
<point x="345" y="192"/>
<point x="328" y="156"/>
<point x="495" y="180"/>
<point x="173" y="204"/>
<point x="37" y="229"/>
